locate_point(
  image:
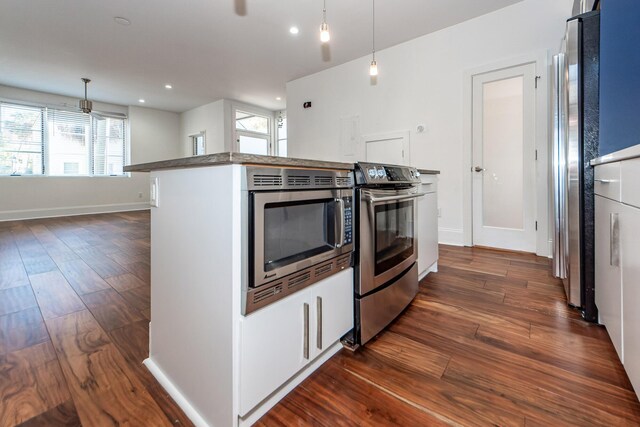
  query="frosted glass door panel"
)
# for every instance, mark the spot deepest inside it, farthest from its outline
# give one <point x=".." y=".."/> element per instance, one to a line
<point x="503" y="112"/>
<point x="253" y="145"/>
<point x="503" y="169"/>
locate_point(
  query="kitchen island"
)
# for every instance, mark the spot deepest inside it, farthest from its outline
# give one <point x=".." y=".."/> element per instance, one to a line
<point x="222" y="365"/>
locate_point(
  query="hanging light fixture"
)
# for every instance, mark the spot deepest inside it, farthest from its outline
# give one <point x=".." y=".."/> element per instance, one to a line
<point x="324" y="28"/>
<point x="373" y="68"/>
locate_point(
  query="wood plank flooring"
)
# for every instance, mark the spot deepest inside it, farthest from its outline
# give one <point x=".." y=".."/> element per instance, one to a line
<point x="74" y="324"/>
<point x="488" y="341"/>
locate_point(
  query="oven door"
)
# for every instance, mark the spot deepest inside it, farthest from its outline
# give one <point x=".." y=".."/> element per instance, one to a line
<point x="388" y="238"/>
<point x="293" y="230"/>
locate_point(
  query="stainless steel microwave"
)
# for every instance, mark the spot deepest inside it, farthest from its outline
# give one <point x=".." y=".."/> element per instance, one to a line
<point x="294" y="230"/>
<point x="300" y="230"/>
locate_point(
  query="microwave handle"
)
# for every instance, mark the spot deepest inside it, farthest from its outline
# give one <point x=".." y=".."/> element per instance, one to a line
<point x="393" y="198"/>
<point x="340" y="218"/>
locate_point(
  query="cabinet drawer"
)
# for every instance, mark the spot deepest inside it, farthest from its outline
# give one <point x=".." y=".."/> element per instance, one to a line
<point x="629" y="181"/>
<point x="607" y="181"/>
<point x="429" y="183"/>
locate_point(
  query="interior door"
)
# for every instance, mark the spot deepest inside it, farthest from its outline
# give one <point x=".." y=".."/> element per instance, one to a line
<point x="503" y="166"/>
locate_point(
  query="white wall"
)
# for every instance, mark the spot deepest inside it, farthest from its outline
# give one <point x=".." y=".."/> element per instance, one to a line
<point x="421" y="82"/>
<point x="210" y="118"/>
<point x="153" y="136"/>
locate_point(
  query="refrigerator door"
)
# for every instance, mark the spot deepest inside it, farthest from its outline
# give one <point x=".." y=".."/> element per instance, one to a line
<point x="574" y="163"/>
<point x="559" y="168"/>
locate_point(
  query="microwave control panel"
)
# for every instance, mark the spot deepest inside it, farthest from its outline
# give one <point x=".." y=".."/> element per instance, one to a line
<point x="348" y="221"/>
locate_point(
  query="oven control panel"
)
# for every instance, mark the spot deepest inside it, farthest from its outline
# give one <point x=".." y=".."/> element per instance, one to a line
<point x="372" y="173"/>
<point x="348" y="221"/>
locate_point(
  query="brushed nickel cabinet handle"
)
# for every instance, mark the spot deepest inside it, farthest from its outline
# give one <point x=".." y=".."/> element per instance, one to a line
<point x="319" y="325"/>
<point x="614" y="240"/>
<point x="305" y="348"/>
<point x="604" y="181"/>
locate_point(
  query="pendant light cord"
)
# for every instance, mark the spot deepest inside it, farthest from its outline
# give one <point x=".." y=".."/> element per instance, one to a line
<point x="373" y="26"/>
<point x="324" y="11"/>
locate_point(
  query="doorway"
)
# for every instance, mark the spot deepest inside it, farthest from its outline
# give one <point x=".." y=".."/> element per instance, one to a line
<point x="503" y="168"/>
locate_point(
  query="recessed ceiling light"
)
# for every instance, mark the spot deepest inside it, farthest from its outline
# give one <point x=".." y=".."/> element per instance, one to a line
<point x="122" y="21"/>
<point x="278" y="98"/>
<point x="141" y="101"/>
<point x="168" y="86"/>
<point x="294" y="30"/>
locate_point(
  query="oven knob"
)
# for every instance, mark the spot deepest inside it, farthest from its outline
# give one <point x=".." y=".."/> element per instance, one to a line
<point x="381" y="173"/>
<point x="372" y="173"/>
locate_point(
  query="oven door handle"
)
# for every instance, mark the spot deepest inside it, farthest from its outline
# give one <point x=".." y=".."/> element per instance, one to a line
<point x="340" y="232"/>
<point x="373" y="199"/>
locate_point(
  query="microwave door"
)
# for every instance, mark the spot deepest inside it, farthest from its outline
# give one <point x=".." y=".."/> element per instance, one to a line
<point x="292" y="231"/>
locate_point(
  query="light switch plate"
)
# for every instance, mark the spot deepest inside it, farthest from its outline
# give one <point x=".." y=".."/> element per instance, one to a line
<point x="155" y="192"/>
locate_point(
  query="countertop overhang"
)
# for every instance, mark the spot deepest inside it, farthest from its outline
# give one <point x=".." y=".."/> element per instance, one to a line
<point x="624" y="154"/>
<point x="229" y="158"/>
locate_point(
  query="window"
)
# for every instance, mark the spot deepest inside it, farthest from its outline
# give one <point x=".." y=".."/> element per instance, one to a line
<point x="281" y="133"/>
<point x="198" y="142"/>
<point x="47" y="141"/>
<point x="253" y="133"/>
<point x="21" y="140"/>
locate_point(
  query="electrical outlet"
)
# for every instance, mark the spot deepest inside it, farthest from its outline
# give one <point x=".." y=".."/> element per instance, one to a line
<point x="140" y="195"/>
<point x="439" y="212"/>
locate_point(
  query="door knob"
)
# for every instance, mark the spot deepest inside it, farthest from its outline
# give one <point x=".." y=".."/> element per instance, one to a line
<point x="478" y="169"/>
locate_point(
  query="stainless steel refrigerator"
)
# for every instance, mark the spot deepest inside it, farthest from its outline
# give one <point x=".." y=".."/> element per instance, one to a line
<point x="575" y="118"/>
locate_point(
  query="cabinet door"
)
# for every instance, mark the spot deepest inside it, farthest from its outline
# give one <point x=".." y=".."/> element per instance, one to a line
<point x="630" y="250"/>
<point x="333" y="310"/>
<point x="608" y="288"/>
<point x="272" y="344"/>
<point x="427" y="232"/>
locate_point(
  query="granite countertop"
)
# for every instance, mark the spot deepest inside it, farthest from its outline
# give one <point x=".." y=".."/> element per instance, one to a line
<point x="626" y="154"/>
<point x="229" y="158"/>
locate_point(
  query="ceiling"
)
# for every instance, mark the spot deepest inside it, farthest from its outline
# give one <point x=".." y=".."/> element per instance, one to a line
<point x="206" y="49"/>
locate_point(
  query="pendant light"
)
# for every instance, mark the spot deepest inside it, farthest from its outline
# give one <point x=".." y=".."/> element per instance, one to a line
<point x="324" y="28"/>
<point x="373" y="68"/>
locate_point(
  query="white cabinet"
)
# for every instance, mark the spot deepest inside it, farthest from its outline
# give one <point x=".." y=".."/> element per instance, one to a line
<point x="427" y="225"/>
<point x="607" y="270"/>
<point x="333" y="299"/>
<point x="617" y="264"/>
<point x="630" y="251"/>
<point x="279" y="340"/>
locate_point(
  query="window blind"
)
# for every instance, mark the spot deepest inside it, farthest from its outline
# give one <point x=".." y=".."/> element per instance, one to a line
<point x="39" y="140"/>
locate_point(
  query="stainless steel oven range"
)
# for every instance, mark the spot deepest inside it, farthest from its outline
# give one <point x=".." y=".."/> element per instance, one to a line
<point x="386" y="275"/>
<point x="299" y="230"/>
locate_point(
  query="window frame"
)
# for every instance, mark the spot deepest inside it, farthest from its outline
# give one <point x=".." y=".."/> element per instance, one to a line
<point x="194" y="143"/>
<point x="251" y="109"/>
<point x="46" y="147"/>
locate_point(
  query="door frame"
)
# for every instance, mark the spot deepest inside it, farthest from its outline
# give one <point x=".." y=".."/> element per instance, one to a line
<point x="541" y="59"/>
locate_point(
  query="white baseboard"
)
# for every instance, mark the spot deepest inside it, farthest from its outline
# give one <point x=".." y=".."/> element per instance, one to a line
<point x="450" y="236"/>
<point x="71" y="211"/>
<point x="432" y="269"/>
<point x="175" y="394"/>
<point x="258" y="411"/>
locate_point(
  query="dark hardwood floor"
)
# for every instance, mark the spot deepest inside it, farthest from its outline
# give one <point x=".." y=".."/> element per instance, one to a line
<point x="74" y="324"/>
<point x="488" y="341"/>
